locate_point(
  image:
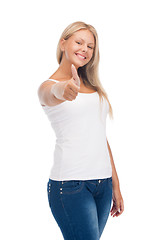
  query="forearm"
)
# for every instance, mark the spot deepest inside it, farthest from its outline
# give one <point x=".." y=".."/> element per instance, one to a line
<point x="115" y="179"/>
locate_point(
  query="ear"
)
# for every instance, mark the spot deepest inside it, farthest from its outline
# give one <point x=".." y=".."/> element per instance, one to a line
<point x="62" y="42"/>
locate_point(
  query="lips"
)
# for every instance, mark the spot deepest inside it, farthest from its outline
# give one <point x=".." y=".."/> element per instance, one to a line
<point x="80" y="56"/>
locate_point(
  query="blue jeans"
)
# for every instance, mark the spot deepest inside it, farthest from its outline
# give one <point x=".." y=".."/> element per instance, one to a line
<point x="80" y="207"/>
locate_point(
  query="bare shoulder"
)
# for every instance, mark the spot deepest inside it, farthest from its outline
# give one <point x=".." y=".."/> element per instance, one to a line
<point x="44" y="85"/>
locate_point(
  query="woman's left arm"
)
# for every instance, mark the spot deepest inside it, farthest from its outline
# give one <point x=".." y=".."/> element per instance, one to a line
<point x="118" y="203"/>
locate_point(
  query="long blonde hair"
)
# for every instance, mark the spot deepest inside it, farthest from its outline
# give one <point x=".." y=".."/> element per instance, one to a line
<point x="88" y="72"/>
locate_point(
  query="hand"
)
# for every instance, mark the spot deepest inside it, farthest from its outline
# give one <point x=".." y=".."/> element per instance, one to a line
<point x="118" y="204"/>
<point x="72" y="86"/>
<point x="67" y="90"/>
<point x="75" y="76"/>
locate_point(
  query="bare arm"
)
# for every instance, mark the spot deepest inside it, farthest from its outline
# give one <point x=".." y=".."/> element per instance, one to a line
<point x="51" y="93"/>
<point x="115" y="179"/>
<point x="45" y="94"/>
<point x="118" y="203"/>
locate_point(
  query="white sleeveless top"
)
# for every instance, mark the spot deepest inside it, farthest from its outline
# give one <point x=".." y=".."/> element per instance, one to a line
<point x="81" y="151"/>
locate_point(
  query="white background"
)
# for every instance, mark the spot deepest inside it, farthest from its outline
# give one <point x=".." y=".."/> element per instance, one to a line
<point x="133" y="70"/>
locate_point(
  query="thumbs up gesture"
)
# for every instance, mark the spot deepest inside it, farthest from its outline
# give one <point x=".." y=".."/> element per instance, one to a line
<point x="72" y="86"/>
<point x="67" y="90"/>
<point x="75" y="76"/>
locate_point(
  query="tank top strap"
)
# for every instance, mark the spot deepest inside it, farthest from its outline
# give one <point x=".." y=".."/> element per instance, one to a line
<point x="53" y="80"/>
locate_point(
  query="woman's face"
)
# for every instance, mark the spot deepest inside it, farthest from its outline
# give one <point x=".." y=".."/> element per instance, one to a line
<point x="78" y="49"/>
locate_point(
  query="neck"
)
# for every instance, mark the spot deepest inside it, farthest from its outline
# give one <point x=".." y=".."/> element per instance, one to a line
<point x="65" y="68"/>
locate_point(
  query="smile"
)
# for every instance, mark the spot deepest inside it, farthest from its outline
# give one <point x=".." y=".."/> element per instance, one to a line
<point x="80" y="56"/>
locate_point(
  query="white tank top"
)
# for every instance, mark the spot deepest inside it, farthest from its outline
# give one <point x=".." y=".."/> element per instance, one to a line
<point x="81" y="151"/>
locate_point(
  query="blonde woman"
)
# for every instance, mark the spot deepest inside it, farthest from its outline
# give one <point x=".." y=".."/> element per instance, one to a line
<point x="83" y="179"/>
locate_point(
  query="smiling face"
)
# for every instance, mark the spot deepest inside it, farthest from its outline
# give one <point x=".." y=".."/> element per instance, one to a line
<point x="78" y="49"/>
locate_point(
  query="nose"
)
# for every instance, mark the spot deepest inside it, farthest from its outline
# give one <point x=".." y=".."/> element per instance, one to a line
<point x="84" y="48"/>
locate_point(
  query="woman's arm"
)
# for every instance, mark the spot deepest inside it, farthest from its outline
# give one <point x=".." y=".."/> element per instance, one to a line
<point x="118" y="203"/>
<point x="115" y="179"/>
<point x="46" y="95"/>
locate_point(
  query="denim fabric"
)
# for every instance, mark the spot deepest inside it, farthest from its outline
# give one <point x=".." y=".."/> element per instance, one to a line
<point x="80" y="207"/>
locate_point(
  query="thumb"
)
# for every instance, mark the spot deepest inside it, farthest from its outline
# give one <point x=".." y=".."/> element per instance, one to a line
<point x="75" y="75"/>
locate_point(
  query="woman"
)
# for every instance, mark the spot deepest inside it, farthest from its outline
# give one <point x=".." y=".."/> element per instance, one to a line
<point x="83" y="179"/>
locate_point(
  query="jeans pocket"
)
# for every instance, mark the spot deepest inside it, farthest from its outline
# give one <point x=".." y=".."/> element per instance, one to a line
<point x="71" y="186"/>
